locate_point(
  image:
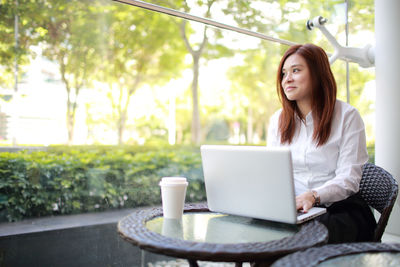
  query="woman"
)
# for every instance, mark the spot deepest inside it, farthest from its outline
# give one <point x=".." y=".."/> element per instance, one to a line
<point x="327" y="140"/>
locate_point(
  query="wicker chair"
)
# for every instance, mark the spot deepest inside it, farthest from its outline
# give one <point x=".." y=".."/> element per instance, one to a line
<point x="379" y="189"/>
<point x="387" y="255"/>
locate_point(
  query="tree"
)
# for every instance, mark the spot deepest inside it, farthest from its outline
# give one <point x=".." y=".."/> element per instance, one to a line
<point x="207" y="46"/>
<point x="196" y="54"/>
<point x="15" y="49"/>
<point x="143" y="48"/>
<point x="254" y="82"/>
<point x="72" y="41"/>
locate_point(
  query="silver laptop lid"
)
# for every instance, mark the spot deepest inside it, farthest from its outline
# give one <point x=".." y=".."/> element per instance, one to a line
<point x="251" y="181"/>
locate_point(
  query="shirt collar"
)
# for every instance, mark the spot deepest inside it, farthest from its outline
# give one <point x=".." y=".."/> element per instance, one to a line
<point x="308" y="120"/>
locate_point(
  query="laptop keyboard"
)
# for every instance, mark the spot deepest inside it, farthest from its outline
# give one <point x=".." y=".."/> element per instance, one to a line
<point x="299" y="212"/>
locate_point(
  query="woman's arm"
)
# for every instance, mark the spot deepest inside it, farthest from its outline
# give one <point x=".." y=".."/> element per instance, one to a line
<point x="352" y="156"/>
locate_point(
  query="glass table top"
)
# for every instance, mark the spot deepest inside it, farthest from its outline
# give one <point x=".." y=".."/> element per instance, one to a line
<point x="220" y="228"/>
<point x="366" y="259"/>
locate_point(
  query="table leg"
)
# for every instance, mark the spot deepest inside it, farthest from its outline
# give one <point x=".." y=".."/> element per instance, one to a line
<point x="260" y="264"/>
<point x="238" y="264"/>
<point x="143" y="258"/>
<point x="193" y="263"/>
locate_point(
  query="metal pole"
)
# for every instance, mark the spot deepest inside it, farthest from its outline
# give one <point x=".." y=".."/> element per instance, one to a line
<point x="347" y="44"/>
<point x="210" y="22"/>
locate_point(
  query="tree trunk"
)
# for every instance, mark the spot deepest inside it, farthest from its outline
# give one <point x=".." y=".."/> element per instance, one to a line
<point x="196" y="54"/>
<point x="196" y="128"/>
<point x="71" y="110"/>
<point x="121" y="128"/>
<point x="70" y="125"/>
<point x="71" y="103"/>
<point x="123" y="108"/>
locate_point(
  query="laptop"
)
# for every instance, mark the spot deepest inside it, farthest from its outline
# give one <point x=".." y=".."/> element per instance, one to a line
<point x="252" y="181"/>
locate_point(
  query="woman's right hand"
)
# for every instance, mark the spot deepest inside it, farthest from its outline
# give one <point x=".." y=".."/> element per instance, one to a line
<point x="305" y="201"/>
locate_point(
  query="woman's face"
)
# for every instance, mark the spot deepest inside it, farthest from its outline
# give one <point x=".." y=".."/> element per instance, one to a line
<point x="296" y="80"/>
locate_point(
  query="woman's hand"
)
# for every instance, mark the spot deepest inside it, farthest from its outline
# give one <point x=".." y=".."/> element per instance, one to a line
<point x="305" y="201"/>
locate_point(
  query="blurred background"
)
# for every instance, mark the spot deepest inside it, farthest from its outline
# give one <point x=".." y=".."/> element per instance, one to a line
<point x="104" y="73"/>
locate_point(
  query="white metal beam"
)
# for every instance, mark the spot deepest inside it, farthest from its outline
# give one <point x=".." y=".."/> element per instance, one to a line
<point x="210" y="22"/>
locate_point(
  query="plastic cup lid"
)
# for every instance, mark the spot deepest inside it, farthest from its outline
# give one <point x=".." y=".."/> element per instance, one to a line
<point x="173" y="181"/>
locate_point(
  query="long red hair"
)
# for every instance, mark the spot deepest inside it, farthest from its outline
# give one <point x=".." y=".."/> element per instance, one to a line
<point x="323" y="94"/>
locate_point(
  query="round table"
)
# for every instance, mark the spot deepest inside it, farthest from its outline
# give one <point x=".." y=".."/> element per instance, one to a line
<point x="367" y="254"/>
<point x="208" y="236"/>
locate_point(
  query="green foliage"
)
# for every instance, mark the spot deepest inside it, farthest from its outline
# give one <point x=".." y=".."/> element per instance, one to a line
<point x="140" y="47"/>
<point x="371" y="152"/>
<point x="73" y="41"/>
<point x="65" y="180"/>
<point x="28" y="13"/>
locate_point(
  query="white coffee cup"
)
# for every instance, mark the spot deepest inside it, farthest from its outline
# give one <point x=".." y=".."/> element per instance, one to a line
<point x="173" y="192"/>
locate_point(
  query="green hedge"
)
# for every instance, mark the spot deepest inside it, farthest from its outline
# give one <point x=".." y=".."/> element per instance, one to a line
<point x="66" y="180"/>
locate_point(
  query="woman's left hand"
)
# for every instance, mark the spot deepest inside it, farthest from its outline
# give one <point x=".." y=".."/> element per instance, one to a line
<point x="305" y="201"/>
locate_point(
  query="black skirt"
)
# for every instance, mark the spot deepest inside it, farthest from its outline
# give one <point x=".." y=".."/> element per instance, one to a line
<point x="349" y="220"/>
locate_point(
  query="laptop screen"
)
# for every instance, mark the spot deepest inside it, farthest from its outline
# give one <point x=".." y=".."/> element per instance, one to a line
<point x="251" y="181"/>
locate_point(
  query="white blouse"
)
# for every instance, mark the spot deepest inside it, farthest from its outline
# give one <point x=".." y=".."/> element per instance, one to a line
<point x="333" y="169"/>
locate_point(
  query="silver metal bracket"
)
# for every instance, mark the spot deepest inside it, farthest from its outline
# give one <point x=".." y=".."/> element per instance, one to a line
<point x="365" y="56"/>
